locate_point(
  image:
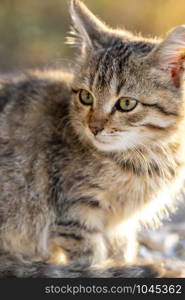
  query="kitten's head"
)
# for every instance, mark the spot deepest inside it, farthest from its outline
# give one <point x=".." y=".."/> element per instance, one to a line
<point x="128" y="91"/>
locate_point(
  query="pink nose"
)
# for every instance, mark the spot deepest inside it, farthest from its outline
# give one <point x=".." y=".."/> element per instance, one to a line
<point x="96" y="125"/>
<point x="95" y="129"/>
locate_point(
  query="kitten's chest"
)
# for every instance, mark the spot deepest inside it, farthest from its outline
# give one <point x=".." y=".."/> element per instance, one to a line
<point x="121" y="189"/>
<point x="115" y="193"/>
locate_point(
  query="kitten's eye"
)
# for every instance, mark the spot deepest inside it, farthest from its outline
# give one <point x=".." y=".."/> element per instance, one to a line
<point x="126" y="104"/>
<point x="85" y="97"/>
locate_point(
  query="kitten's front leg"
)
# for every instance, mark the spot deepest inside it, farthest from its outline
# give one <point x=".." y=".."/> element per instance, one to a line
<point x="69" y="243"/>
<point x="122" y="242"/>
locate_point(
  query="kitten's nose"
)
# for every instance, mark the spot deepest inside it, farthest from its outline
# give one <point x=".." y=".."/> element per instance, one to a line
<point x="96" y="125"/>
<point x="95" y="129"/>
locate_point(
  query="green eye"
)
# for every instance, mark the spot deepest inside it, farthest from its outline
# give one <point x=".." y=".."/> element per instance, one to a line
<point x="85" y="97"/>
<point x="126" y="104"/>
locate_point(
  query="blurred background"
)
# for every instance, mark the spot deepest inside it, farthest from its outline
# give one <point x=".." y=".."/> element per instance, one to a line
<point x="32" y="33"/>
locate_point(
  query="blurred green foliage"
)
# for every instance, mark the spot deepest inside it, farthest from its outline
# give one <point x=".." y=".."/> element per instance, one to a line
<point x="32" y="32"/>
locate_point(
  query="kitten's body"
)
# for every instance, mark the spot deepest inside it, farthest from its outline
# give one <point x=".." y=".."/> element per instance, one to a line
<point x="64" y="197"/>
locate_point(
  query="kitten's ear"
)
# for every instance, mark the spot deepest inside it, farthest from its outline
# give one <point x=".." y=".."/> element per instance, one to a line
<point x="88" y="31"/>
<point x="170" y="54"/>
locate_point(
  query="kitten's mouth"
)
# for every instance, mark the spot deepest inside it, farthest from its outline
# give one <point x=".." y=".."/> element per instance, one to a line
<point x="106" y="138"/>
<point x="106" y="141"/>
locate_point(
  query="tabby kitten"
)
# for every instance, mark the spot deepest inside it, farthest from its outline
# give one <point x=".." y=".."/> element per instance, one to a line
<point x="87" y="157"/>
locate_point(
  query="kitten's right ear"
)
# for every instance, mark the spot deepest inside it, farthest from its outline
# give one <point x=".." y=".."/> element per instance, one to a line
<point x="88" y="32"/>
<point x="170" y="55"/>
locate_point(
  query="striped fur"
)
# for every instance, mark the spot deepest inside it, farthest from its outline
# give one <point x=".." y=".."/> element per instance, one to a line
<point x="70" y="196"/>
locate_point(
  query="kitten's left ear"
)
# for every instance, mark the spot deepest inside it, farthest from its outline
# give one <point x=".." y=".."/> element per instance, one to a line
<point x="170" y="54"/>
<point x="88" y="31"/>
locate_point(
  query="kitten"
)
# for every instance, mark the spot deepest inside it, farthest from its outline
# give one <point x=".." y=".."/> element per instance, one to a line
<point x="87" y="157"/>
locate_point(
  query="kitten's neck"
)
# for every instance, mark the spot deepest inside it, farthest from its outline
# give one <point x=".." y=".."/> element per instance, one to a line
<point x="161" y="161"/>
